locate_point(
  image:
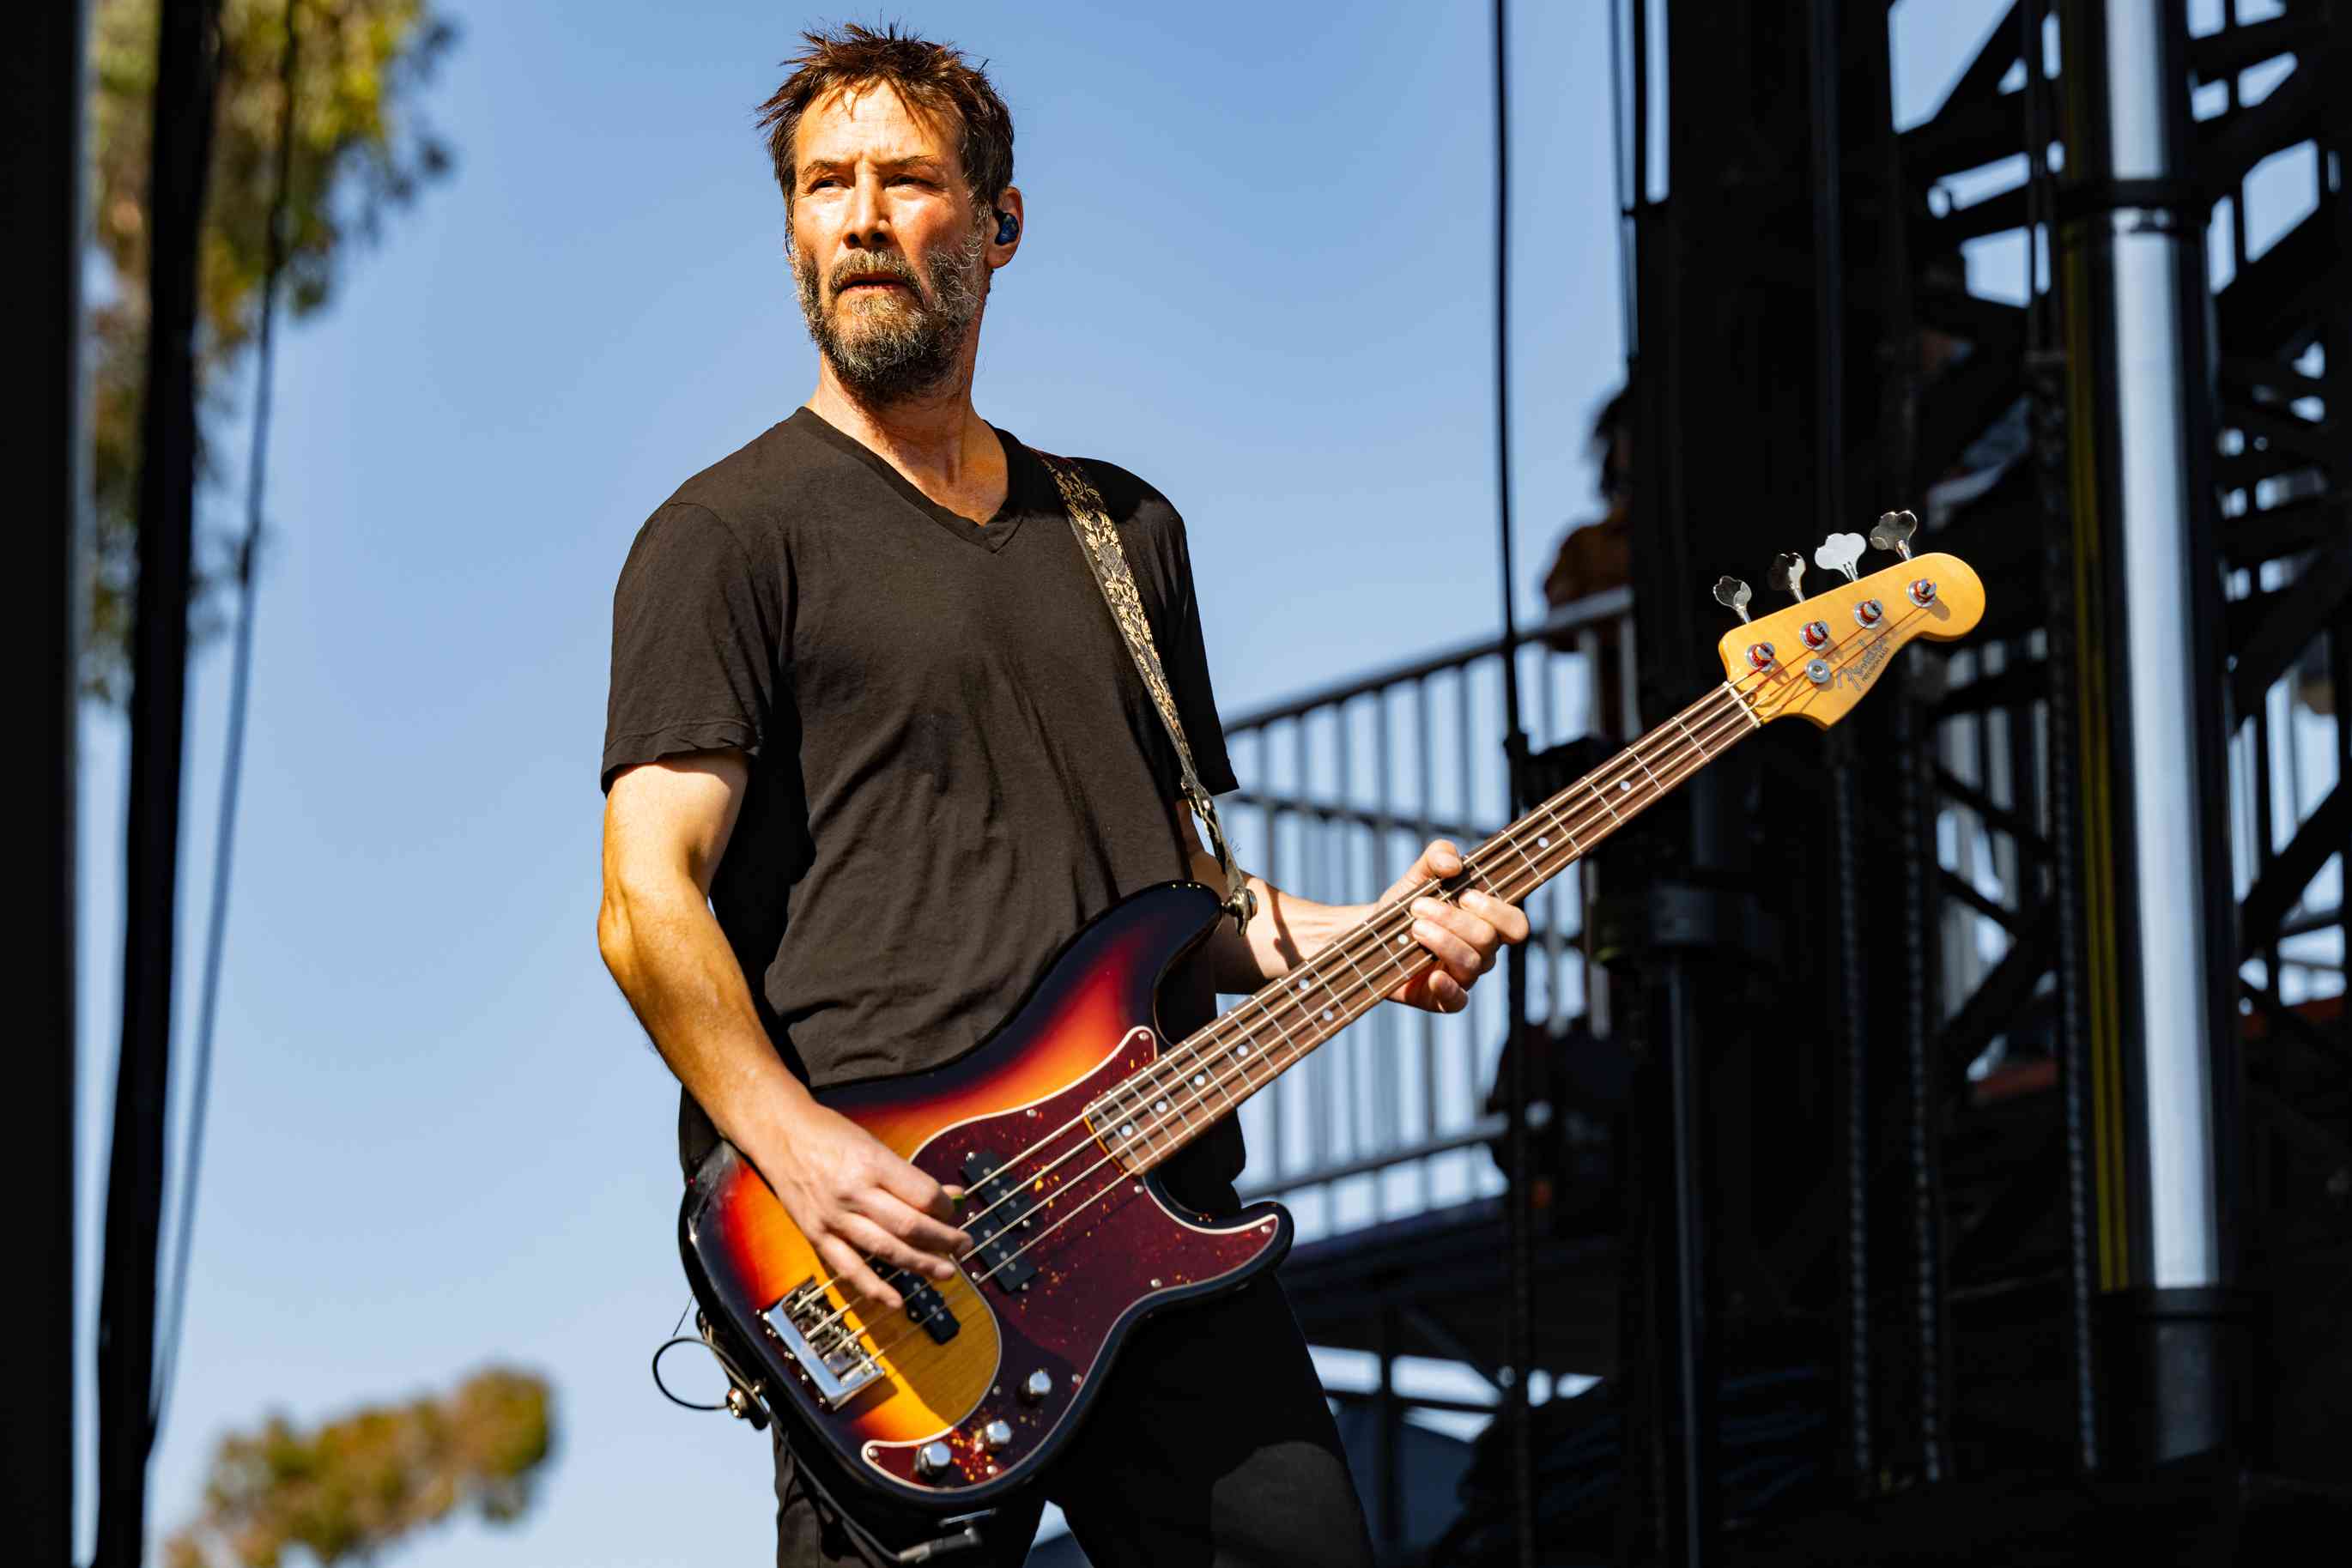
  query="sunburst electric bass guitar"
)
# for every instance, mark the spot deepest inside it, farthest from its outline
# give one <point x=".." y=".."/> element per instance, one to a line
<point x="1055" y="1123"/>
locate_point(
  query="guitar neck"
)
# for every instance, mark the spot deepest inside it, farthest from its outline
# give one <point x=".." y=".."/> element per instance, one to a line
<point x="1213" y="1071"/>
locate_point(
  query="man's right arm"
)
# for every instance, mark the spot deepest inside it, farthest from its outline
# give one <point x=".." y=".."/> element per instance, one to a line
<point x="665" y="827"/>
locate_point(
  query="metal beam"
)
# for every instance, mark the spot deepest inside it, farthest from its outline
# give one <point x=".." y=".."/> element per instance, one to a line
<point x="2321" y="837"/>
<point x="1955" y="886"/>
<point x="2234" y="49"/>
<point x="2283" y="119"/>
<point x="2315" y="441"/>
<point x="1999" y="996"/>
<point x="2292" y="618"/>
<point x="1994" y="815"/>
<point x="42" y="449"/>
<point x="2017" y="686"/>
<point x="2272" y="305"/>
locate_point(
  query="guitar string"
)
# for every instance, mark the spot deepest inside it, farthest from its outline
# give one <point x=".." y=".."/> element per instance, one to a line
<point x="1311" y="974"/>
<point x="1191" y="1050"/>
<point x="1370" y="992"/>
<point x="1729" y="702"/>
<point x="1680" y="773"/>
<point x="1624" y="763"/>
<point x="1368" y="998"/>
<point x="1243" y="1071"/>
<point x="1714" y="738"/>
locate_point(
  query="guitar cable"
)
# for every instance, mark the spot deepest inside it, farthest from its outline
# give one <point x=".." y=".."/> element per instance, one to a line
<point x="746" y="1401"/>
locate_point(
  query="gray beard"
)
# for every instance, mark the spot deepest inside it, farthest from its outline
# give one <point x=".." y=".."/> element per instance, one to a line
<point x="887" y="351"/>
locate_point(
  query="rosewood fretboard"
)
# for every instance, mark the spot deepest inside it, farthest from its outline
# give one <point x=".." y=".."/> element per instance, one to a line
<point x="1213" y="1071"/>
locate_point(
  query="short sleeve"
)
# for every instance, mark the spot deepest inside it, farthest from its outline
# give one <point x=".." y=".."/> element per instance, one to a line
<point x="694" y="643"/>
<point x="1185" y="656"/>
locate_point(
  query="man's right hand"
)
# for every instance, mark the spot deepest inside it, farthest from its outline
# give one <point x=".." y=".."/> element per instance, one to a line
<point x="856" y="1200"/>
<point x="666" y="824"/>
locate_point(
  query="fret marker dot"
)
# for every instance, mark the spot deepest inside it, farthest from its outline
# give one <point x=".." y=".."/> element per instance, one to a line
<point x="1327" y="1015"/>
<point x="1543" y="844"/>
<point x="1624" y="784"/>
<point x="1128" y="1130"/>
<point x="1241" y="1050"/>
<point x="1161" y="1106"/>
<point x="1200" y="1079"/>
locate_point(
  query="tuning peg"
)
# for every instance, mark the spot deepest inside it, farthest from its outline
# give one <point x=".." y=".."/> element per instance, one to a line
<point x="1893" y="532"/>
<point x="1787" y="574"/>
<point x="1839" y="552"/>
<point x="1732" y="594"/>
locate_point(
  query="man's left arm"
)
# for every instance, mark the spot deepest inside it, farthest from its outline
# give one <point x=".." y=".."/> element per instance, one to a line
<point x="1460" y="938"/>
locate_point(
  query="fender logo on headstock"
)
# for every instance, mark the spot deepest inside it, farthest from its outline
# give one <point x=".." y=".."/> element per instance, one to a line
<point x="1857" y="675"/>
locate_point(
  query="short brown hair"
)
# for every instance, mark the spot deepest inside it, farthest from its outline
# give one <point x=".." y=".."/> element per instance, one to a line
<point x="932" y="79"/>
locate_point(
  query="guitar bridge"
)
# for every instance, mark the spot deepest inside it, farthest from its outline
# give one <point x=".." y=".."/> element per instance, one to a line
<point x="828" y="1349"/>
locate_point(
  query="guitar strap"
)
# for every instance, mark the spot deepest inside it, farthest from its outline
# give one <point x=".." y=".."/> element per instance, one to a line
<point x="1098" y="542"/>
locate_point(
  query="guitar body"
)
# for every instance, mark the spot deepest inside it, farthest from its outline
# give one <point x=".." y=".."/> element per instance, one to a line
<point x="973" y="1389"/>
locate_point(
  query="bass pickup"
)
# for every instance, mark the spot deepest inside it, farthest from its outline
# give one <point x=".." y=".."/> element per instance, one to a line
<point x="997" y="1223"/>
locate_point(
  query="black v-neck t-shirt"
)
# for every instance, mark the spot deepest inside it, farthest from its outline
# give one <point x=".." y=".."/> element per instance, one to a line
<point x="954" y="763"/>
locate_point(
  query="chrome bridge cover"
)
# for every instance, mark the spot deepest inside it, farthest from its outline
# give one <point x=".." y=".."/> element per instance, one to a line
<point x="837" y="1365"/>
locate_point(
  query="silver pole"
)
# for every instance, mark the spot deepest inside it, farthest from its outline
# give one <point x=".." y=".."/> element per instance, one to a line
<point x="2174" y="1342"/>
<point x="2147" y="257"/>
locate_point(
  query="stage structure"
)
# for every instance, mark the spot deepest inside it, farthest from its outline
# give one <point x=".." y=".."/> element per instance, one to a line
<point x="44" y="446"/>
<point x="1946" y="1123"/>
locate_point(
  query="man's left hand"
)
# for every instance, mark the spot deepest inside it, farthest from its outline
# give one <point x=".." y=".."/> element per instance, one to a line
<point x="1463" y="935"/>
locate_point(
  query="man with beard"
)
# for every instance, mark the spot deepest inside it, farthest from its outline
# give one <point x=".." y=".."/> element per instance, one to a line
<point x="875" y="749"/>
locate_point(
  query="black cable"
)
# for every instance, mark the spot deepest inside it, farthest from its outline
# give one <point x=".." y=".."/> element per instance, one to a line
<point x="671" y="1343"/>
<point x="1503" y="379"/>
<point x="1827" y="113"/>
<point x="1621" y="175"/>
<point x="240" y="686"/>
<point x="1520" y="1329"/>
<point x="187" y="48"/>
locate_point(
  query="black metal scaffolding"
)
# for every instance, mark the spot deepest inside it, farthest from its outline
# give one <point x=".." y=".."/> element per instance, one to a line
<point x="1989" y="1143"/>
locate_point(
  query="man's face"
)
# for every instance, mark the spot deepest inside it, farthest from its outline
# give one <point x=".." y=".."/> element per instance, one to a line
<point x="888" y="248"/>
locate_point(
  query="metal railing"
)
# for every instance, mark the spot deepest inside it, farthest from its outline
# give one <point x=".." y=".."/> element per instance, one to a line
<point x="2284" y="766"/>
<point x="1341" y="789"/>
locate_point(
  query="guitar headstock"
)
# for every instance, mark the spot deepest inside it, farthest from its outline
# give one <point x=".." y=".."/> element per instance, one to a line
<point x="1816" y="658"/>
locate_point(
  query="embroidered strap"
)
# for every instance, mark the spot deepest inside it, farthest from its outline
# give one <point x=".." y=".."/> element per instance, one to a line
<point x="1098" y="542"/>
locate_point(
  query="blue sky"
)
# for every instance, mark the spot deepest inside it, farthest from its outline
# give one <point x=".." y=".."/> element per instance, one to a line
<point x="1257" y="271"/>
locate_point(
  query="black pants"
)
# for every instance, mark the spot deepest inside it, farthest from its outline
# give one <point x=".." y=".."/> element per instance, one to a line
<point x="1212" y="1448"/>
